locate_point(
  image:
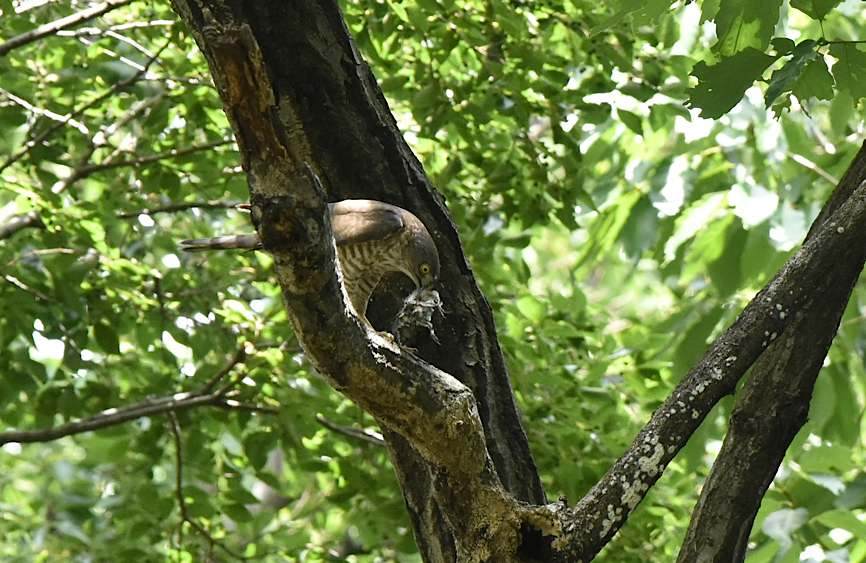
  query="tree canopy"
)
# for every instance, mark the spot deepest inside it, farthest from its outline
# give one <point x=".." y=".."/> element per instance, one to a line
<point x="624" y="178"/>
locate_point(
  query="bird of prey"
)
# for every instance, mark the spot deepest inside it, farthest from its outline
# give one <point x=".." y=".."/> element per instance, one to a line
<point x="373" y="238"/>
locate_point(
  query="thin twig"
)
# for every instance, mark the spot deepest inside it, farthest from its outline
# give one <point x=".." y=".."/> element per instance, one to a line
<point x="87" y="170"/>
<point x="174" y="426"/>
<point x="172" y="403"/>
<point x="100" y="139"/>
<point x="32" y="108"/>
<point x="175" y="207"/>
<point x="239" y="357"/>
<point x="19" y="222"/>
<point x="62" y="23"/>
<point x="26" y="288"/>
<point x="806" y="163"/>
<point x="841" y="42"/>
<point x="357" y="433"/>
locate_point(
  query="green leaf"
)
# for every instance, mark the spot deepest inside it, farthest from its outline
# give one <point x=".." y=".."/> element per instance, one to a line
<point x="814" y="82"/>
<point x="816" y="9"/>
<point x="257" y="446"/>
<point x="631" y="120"/>
<point x="783" y="80"/>
<point x="237" y="512"/>
<point x="106" y="337"/>
<point x="532" y="308"/>
<point x="722" y="85"/>
<point x="842" y="519"/>
<point x="741" y="24"/>
<point x="850" y="69"/>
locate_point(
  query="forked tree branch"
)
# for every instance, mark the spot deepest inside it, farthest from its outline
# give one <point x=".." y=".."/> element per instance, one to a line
<point x="274" y="121"/>
<point x="800" y="283"/>
<point x="772" y="407"/>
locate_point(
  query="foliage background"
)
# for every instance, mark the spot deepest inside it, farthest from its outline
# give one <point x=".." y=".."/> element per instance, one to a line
<point x="618" y="200"/>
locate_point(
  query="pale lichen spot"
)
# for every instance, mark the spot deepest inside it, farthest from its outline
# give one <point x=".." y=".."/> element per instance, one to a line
<point x="840" y="230"/>
<point x="650" y="464"/>
<point x="631" y="493"/>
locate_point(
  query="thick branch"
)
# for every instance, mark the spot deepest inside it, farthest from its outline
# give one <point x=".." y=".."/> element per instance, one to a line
<point x="772" y="408"/>
<point x="800" y="282"/>
<point x="434" y="411"/>
<point x="68" y="21"/>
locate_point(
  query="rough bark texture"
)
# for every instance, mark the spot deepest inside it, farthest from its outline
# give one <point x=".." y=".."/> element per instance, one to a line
<point x="772" y="407"/>
<point x="297" y="91"/>
<point x="800" y="283"/>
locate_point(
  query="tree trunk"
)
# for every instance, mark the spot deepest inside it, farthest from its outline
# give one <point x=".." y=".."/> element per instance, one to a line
<point x="328" y="102"/>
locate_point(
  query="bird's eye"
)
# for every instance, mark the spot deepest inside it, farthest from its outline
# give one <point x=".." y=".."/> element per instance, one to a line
<point x="424" y="269"/>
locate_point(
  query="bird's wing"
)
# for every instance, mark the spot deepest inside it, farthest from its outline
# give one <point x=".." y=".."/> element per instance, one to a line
<point x="362" y="220"/>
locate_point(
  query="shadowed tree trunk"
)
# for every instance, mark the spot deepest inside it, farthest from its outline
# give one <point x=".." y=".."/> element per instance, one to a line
<point x="329" y="104"/>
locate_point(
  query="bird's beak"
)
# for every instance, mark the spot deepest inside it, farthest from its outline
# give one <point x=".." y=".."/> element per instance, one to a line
<point x="414" y="279"/>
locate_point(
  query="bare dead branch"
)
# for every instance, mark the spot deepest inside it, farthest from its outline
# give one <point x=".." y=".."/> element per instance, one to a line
<point x="15" y="282"/>
<point x="62" y="23"/>
<point x="20" y="222"/>
<point x="357" y="433"/>
<point x="54" y="116"/>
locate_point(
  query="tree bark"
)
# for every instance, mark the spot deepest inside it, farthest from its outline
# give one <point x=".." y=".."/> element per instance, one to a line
<point x="297" y="91"/>
<point x="772" y="407"/>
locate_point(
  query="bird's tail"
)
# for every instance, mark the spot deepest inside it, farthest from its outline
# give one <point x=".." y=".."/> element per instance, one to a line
<point x="246" y="242"/>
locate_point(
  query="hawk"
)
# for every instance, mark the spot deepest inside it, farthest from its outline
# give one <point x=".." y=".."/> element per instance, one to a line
<point x="373" y="238"/>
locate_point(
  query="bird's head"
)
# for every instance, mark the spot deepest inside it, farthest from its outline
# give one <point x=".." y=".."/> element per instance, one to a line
<point x="422" y="259"/>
